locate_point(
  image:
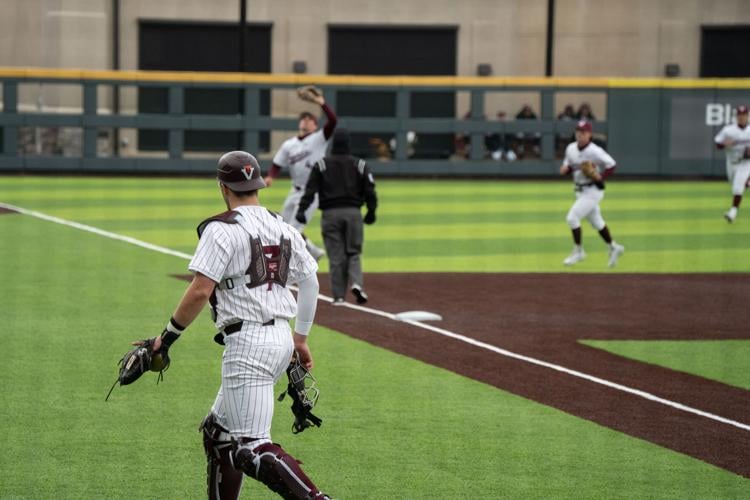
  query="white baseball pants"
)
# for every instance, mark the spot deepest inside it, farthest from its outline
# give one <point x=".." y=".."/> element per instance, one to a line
<point x="289" y="210"/>
<point x="741" y="175"/>
<point x="254" y="359"/>
<point x="587" y="206"/>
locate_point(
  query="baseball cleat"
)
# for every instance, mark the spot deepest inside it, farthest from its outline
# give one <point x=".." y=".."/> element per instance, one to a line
<point x="360" y="294"/>
<point x="614" y="253"/>
<point x="730" y="216"/>
<point x="338" y="302"/>
<point x="575" y="257"/>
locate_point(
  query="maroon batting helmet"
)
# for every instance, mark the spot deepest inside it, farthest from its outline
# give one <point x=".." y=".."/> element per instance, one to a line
<point x="240" y="171"/>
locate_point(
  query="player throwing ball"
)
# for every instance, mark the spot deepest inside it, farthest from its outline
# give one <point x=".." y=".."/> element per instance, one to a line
<point x="583" y="159"/>
<point x="735" y="140"/>
<point x="299" y="154"/>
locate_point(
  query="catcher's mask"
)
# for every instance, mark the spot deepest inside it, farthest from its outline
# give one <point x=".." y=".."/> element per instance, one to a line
<point x="305" y="384"/>
<point x="240" y="172"/>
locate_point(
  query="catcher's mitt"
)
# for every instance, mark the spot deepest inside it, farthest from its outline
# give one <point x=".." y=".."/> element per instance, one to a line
<point x="304" y="395"/>
<point x="589" y="170"/>
<point x="138" y="361"/>
<point x="309" y="93"/>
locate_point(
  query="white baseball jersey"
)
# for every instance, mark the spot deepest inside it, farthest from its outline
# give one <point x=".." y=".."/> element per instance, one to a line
<point x="224" y="255"/>
<point x="735" y="152"/>
<point x="299" y="155"/>
<point x="593" y="153"/>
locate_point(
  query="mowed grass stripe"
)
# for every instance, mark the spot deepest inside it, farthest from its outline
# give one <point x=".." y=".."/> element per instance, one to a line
<point x="406" y="189"/>
<point x="193" y="214"/>
<point x="635" y="261"/>
<point x="479" y="225"/>
<point x="492" y="230"/>
<point x="540" y="245"/>
<point x="682" y="205"/>
<point x="473" y="231"/>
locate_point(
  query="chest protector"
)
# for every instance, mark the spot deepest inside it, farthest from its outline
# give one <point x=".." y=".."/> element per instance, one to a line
<point x="269" y="264"/>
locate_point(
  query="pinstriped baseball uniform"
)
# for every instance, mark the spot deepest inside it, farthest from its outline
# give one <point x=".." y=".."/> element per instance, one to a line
<point x="299" y="155"/>
<point x="257" y="355"/>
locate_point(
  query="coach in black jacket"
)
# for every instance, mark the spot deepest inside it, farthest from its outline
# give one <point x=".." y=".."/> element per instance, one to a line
<point x="343" y="184"/>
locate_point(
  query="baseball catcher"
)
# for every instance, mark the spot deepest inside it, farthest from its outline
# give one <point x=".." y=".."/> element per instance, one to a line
<point x="310" y="93"/>
<point x="304" y="394"/>
<point x="147" y="355"/>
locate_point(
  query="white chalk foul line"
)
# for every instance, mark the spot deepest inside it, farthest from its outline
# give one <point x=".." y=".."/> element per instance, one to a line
<point x="419" y="324"/>
<point x="96" y="230"/>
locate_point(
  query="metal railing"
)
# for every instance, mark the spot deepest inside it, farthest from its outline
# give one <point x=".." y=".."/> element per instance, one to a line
<point x="251" y="122"/>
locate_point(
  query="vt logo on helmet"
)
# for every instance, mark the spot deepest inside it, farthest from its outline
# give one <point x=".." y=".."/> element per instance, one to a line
<point x="240" y="171"/>
<point x="247" y="171"/>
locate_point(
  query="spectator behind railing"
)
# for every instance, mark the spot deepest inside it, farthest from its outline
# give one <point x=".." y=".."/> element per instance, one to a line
<point x="497" y="145"/>
<point x="585" y="113"/>
<point x="527" y="142"/>
<point x="562" y="139"/>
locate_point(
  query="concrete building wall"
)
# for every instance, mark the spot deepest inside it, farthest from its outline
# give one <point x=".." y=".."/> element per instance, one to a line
<point x="592" y="37"/>
<point x="633" y="38"/>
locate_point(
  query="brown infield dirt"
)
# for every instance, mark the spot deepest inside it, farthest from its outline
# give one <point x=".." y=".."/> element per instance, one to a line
<point x="543" y="316"/>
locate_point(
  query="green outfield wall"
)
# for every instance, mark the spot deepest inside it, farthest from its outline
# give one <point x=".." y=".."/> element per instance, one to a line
<point x="652" y="127"/>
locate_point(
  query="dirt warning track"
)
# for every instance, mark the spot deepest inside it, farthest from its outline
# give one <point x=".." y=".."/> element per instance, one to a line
<point x="543" y="316"/>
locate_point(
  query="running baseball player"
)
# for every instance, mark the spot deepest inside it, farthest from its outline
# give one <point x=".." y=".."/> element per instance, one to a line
<point x="735" y="140"/>
<point x="589" y="189"/>
<point x="245" y="260"/>
<point x="299" y="154"/>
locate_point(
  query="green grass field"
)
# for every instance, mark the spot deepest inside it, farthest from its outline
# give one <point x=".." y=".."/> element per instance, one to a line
<point x="393" y="427"/>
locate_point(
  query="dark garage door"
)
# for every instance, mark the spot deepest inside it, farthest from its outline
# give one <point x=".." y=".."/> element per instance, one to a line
<point x="197" y="46"/>
<point x="394" y="50"/>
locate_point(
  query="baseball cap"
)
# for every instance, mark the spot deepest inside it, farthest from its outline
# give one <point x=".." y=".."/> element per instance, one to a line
<point x="240" y="171"/>
<point x="584" y="126"/>
<point x="741" y="109"/>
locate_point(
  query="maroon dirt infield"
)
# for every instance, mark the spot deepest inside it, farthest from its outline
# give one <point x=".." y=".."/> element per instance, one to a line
<point x="542" y="316"/>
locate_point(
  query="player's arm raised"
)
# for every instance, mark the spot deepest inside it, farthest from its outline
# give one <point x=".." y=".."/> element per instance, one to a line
<point x="331" y="120"/>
